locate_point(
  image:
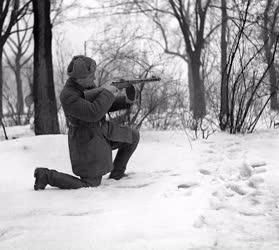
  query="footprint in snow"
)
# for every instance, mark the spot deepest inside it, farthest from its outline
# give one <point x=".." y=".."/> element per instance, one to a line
<point x="205" y="171"/>
<point x="136" y="185"/>
<point x="209" y="151"/>
<point x="260" y="170"/>
<point x="72" y="214"/>
<point x="222" y="193"/>
<point x="165" y="171"/>
<point x="255" y="181"/>
<point x="246" y="171"/>
<point x="188" y="185"/>
<point x="216" y="204"/>
<point x="10" y="232"/>
<point x="237" y="188"/>
<point x="199" y="222"/>
<point x="251" y="211"/>
<point x="232" y="143"/>
<point x="175" y="174"/>
<point x="258" y="164"/>
<point x="254" y="201"/>
<point x="233" y="151"/>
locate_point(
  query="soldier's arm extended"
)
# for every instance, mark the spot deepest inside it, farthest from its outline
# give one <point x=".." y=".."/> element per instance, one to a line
<point x="85" y="110"/>
<point x="124" y="101"/>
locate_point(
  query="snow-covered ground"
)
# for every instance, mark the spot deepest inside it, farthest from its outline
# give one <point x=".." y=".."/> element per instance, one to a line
<point x="221" y="193"/>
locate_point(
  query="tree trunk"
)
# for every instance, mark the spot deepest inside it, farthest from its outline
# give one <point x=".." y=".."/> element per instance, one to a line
<point x="20" y="101"/>
<point x="1" y="81"/>
<point x="274" y="104"/>
<point x="190" y="86"/>
<point x="199" y="107"/>
<point x="224" y="105"/>
<point x="1" y="91"/>
<point x="46" y="120"/>
<point x="268" y="43"/>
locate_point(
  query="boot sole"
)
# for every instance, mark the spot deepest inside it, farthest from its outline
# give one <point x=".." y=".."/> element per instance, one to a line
<point x="117" y="178"/>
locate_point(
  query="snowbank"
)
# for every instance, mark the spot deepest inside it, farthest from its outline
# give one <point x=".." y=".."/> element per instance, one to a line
<point x="220" y="194"/>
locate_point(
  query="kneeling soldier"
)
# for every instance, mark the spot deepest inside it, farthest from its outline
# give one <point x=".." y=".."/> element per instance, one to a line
<point x="91" y="138"/>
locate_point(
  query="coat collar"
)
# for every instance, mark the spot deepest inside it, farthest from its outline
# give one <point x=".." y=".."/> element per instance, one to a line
<point x="72" y="83"/>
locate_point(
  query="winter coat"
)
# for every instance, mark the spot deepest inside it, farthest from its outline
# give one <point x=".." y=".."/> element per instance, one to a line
<point x="89" y="133"/>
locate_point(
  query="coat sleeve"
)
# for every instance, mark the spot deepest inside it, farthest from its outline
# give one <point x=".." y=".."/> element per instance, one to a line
<point x="82" y="109"/>
<point x="124" y="101"/>
<point x="119" y="103"/>
<point x="91" y="95"/>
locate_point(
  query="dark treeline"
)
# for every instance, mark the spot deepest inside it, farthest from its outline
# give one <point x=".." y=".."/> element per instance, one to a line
<point x="228" y="49"/>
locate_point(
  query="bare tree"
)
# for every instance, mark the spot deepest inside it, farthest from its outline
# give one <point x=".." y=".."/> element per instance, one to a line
<point x="224" y="101"/>
<point x="58" y="9"/>
<point x="121" y="57"/>
<point x="63" y="57"/>
<point x="190" y="36"/>
<point x="194" y="44"/>
<point x="248" y="95"/>
<point x="10" y="13"/>
<point x="29" y="101"/>
<point x="46" y="120"/>
<point x="17" y="59"/>
<point x="271" y="19"/>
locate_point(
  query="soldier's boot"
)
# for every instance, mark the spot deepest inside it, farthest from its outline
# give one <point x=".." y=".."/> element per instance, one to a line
<point x="125" y="151"/>
<point x="41" y="178"/>
<point x="44" y="176"/>
<point x="117" y="176"/>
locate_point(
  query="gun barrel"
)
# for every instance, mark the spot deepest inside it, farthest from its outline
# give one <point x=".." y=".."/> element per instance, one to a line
<point x="126" y="83"/>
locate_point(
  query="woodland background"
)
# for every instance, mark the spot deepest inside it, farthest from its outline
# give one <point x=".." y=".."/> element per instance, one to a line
<point x="218" y="61"/>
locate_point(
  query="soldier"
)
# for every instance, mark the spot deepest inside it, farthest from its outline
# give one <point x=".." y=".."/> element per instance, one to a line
<point x="91" y="138"/>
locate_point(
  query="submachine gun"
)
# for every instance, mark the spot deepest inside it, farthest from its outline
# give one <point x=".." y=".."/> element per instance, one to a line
<point x="128" y="85"/>
<point x="130" y="91"/>
<point x="122" y="84"/>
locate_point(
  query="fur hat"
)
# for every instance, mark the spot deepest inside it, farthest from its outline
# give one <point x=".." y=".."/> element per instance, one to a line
<point x="81" y="66"/>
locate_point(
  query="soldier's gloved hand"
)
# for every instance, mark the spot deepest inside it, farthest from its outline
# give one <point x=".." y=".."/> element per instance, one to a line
<point x="111" y="89"/>
<point x="131" y="94"/>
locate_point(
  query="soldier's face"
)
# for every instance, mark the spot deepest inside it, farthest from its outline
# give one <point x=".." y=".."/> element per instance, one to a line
<point x="88" y="82"/>
<point x="91" y="77"/>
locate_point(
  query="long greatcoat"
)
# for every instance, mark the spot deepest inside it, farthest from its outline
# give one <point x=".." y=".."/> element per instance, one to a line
<point x="89" y="133"/>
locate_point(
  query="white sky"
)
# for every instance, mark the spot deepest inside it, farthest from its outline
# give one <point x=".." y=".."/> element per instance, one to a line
<point x="77" y="32"/>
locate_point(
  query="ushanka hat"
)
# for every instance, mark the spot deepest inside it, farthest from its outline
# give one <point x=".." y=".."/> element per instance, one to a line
<point x="81" y="67"/>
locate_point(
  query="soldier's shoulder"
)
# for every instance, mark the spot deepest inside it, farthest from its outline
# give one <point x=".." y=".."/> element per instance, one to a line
<point x="68" y="91"/>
